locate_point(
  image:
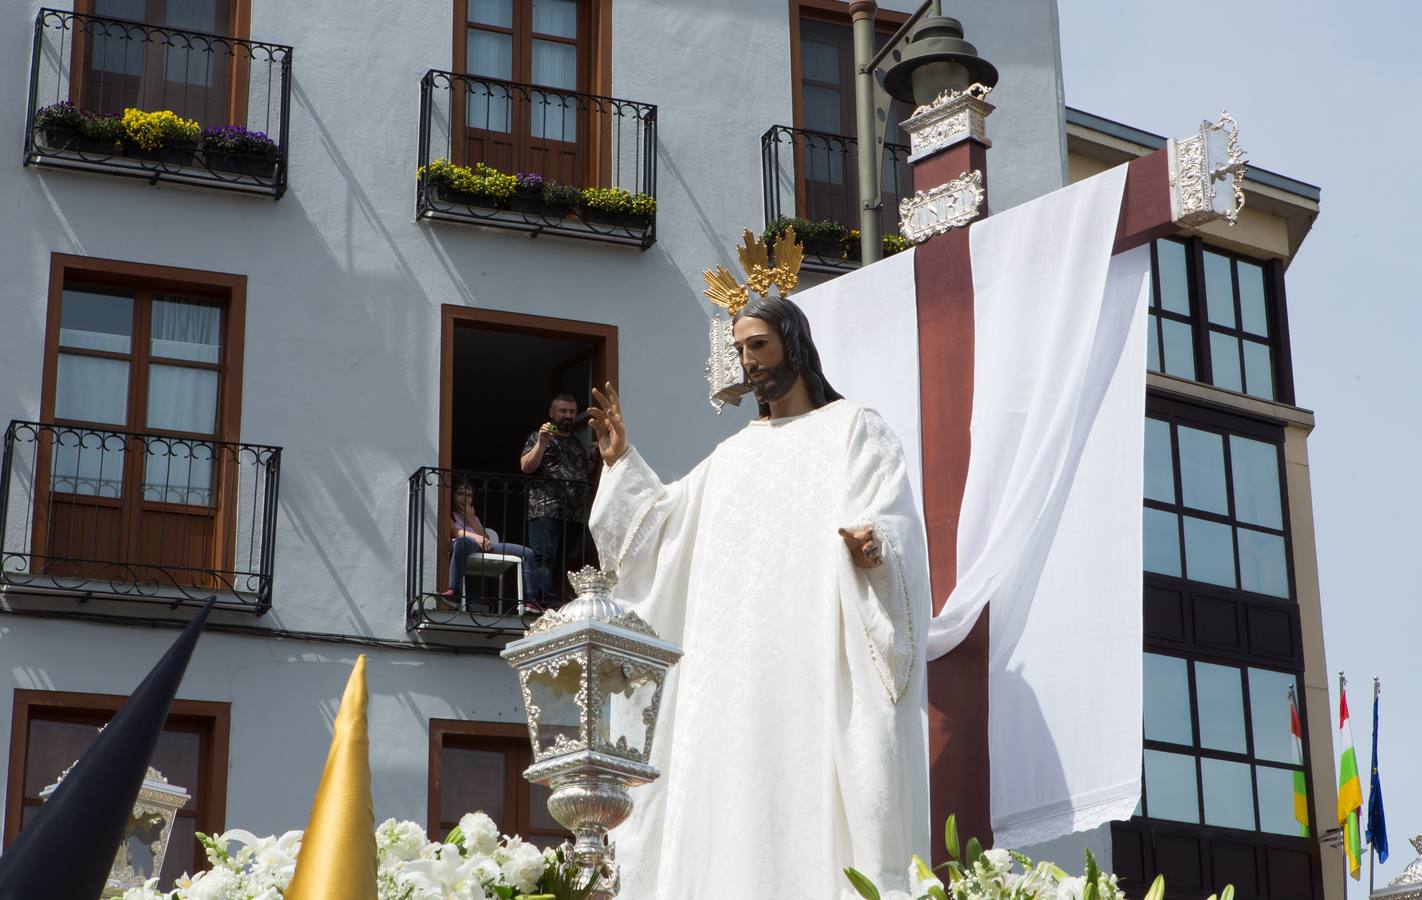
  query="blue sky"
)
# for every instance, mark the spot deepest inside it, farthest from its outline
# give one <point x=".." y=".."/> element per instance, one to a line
<point x="1327" y="94"/>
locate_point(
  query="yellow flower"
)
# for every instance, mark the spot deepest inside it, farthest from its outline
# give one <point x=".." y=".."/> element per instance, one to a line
<point x="151" y="131"/>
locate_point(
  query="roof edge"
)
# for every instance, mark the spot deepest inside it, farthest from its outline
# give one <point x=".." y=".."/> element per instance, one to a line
<point x="1151" y="141"/>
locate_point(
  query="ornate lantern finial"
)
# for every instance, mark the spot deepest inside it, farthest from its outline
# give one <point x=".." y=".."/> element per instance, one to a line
<point x="592" y="675"/>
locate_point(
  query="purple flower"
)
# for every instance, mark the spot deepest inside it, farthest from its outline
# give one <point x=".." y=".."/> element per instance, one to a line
<point x="529" y="181"/>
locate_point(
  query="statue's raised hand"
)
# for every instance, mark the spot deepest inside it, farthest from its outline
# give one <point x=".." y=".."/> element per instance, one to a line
<point x="605" y="416"/>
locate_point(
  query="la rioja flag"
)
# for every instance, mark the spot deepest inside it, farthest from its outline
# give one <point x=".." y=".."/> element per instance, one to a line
<point x="1350" y="788"/>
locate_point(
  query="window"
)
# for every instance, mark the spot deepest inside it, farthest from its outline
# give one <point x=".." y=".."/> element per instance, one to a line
<point x="823" y="47"/>
<point x="51" y="729"/>
<point x="1214" y="508"/>
<point x="1220" y="748"/>
<point x="529" y="59"/>
<point x="144" y="367"/>
<point x="478" y="766"/>
<point x="1215" y="318"/>
<point x="192" y="71"/>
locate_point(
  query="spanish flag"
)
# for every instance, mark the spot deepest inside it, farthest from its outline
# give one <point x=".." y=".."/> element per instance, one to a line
<point x="337" y="857"/>
<point x="1350" y="789"/>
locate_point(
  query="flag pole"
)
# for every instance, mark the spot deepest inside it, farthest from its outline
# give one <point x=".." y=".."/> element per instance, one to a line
<point x="1343" y="828"/>
<point x="1372" y="850"/>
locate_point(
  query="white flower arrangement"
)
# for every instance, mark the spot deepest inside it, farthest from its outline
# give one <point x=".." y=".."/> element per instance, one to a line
<point x="995" y="875"/>
<point x="474" y="863"/>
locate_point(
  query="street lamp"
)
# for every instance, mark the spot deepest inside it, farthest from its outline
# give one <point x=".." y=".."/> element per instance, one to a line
<point x="934" y="58"/>
<point x="592" y="676"/>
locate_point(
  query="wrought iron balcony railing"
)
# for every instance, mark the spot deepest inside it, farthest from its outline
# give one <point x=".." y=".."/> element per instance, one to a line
<point x="85" y="71"/>
<point x="813" y="176"/>
<point x="595" y="159"/>
<point x="541" y="535"/>
<point x="123" y="515"/>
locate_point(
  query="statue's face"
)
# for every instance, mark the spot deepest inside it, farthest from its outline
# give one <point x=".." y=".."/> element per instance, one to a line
<point x="763" y="358"/>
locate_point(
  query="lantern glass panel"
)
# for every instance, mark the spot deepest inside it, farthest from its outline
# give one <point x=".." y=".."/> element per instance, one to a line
<point x="554" y="689"/>
<point x="626" y="690"/>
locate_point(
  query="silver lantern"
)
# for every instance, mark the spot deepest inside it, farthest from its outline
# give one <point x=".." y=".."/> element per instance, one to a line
<point x="592" y="675"/>
<point x="145" y="838"/>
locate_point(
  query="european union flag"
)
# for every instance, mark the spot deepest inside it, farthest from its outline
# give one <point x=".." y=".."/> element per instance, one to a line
<point x="1377" y="822"/>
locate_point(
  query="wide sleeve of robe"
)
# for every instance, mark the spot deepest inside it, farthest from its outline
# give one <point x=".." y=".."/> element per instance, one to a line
<point x="644" y="530"/>
<point x="888" y="603"/>
<point x="881" y="748"/>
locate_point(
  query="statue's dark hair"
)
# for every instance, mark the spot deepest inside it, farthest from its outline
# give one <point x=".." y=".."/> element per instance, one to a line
<point x="800" y="353"/>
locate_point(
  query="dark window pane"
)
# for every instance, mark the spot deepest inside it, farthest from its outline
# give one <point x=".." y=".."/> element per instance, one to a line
<point x="1174" y="285"/>
<point x="53" y="747"/>
<point x="822" y="109"/>
<point x="1219" y="700"/>
<point x="1283" y="801"/>
<point x="1167" y="700"/>
<point x="538" y="814"/>
<point x="1161" y="542"/>
<point x="1254" y="469"/>
<point x="1159" y="462"/>
<point x="177" y="757"/>
<point x="492" y="12"/>
<point x="179" y="859"/>
<point x="1262" y="565"/>
<point x="1229" y="794"/>
<point x="556" y="17"/>
<point x="1270" y="716"/>
<point x="1153" y="345"/>
<point x="1170" y="787"/>
<point x="1209" y="552"/>
<point x="1258" y="370"/>
<point x="819" y="60"/>
<point x="475" y="781"/>
<point x="1202" y="470"/>
<point x="1179" y="345"/>
<point x="1251" y="299"/>
<point x="1224" y="361"/>
<point x="96" y="320"/>
<point x="1219" y="290"/>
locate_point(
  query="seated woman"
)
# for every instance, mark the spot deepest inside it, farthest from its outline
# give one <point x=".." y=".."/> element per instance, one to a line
<point x="467" y="534"/>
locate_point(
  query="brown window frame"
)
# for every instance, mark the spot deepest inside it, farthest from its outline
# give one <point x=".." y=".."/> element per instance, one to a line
<point x="238" y="28"/>
<point x="594" y="43"/>
<point x="212" y="718"/>
<point x="142" y="278"/>
<point x="500" y="737"/>
<point x="830" y="12"/>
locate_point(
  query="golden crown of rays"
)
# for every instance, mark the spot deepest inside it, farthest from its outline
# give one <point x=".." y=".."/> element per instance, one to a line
<point x="725" y="291"/>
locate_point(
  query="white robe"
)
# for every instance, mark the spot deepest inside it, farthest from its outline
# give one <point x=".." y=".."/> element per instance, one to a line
<point x="791" y="738"/>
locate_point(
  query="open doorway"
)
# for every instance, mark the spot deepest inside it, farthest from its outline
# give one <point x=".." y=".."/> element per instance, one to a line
<point x="500" y="373"/>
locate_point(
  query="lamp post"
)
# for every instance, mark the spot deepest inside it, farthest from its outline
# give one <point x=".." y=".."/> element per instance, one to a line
<point x="592" y="675"/>
<point x="934" y="58"/>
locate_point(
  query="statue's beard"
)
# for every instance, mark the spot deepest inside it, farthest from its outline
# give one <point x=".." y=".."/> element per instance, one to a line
<point x="780" y="380"/>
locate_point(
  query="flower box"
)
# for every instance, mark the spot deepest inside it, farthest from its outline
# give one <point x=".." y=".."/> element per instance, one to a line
<point x="256" y="165"/>
<point x="169" y="156"/>
<point x="822" y="247"/>
<point x="446" y="194"/>
<point x="528" y="203"/>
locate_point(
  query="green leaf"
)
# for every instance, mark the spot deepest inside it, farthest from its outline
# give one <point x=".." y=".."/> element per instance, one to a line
<point x="863" y="885"/>
<point x="936" y="892"/>
<point x="950" y="836"/>
<point x="1227" y="893"/>
<point x="974" y="851"/>
<point x="455" y="837"/>
<point x="1093" y="871"/>
<point x="1157" y="889"/>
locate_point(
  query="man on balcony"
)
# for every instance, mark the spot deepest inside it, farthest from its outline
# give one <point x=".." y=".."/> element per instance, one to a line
<point x="557" y="506"/>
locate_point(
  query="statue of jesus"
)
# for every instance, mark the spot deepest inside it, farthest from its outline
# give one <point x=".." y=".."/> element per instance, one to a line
<point x="791" y="567"/>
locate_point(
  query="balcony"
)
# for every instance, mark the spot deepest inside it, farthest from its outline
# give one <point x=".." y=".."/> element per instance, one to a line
<point x="811" y="179"/>
<point x="534" y="159"/>
<point x="230" y="101"/>
<point x="117" y="515"/>
<point x="497" y="581"/>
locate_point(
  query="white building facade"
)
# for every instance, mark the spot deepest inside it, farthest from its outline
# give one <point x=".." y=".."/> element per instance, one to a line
<point x="261" y="370"/>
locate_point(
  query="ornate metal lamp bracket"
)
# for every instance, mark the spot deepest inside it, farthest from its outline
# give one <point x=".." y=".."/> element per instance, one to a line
<point x="1200" y="166"/>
